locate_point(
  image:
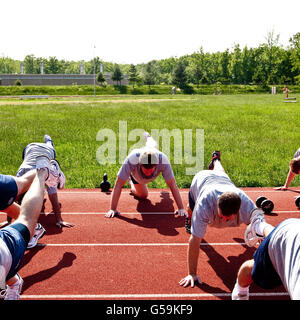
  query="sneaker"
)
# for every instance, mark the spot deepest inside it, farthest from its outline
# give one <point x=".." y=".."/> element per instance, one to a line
<point x="61" y="176"/>
<point x="150" y="142"/>
<point x="146" y="135"/>
<point x="251" y="237"/>
<point x="13" y="292"/>
<point x="236" y="295"/>
<point x="38" y="234"/>
<point x="43" y="162"/>
<point x="216" y="155"/>
<point x="47" y="139"/>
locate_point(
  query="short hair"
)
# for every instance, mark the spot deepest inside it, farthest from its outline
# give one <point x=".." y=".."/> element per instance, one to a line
<point x="148" y="159"/>
<point x="295" y="165"/>
<point x="229" y="203"/>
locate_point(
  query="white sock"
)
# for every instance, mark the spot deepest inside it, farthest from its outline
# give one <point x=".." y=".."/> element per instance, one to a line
<point x="242" y="290"/>
<point x="259" y="228"/>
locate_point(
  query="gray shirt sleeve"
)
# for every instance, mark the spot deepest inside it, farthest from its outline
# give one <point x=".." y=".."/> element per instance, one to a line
<point x="167" y="171"/>
<point x="125" y="170"/>
<point x="202" y="216"/>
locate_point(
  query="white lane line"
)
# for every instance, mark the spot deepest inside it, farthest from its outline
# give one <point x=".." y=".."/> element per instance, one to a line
<point x="181" y="191"/>
<point x="136" y="244"/>
<point x="146" y="296"/>
<point x="139" y="213"/>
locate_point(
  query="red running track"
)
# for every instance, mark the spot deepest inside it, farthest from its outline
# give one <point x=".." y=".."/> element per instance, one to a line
<point x="140" y="255"/>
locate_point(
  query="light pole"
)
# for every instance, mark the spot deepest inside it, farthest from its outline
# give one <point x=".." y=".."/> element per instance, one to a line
<point x="94" y="72"/>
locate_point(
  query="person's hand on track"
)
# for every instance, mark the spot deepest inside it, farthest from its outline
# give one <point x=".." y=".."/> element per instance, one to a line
<point x="190" y="280"/>
<point x="61" y="224"/>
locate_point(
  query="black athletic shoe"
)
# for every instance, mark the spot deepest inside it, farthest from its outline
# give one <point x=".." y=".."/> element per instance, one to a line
<point x="216" y="155"/>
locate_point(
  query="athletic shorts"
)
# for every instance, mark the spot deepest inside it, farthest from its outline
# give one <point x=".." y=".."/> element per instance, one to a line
<point x="263" y="273"/>
<point x="16" y="237"/>
<point x="8" y="191"/>
<point x="191" y="202"/>
<point x="133" y="180"/>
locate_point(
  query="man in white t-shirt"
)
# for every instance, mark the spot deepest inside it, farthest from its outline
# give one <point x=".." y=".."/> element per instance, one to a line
<point x="141" y="167"/>
<point x="215" y="201"/>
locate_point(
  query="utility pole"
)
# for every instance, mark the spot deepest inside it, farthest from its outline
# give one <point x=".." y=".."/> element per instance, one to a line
<point x="94" y="73"/>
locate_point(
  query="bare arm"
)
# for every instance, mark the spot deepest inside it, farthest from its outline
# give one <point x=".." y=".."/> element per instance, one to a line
<point x="290" y="177"/>
<point x="193" y="255"/>
<point x="115" y="197"/>
<point x="175" y="192"/>
<point x="56" y="207"/>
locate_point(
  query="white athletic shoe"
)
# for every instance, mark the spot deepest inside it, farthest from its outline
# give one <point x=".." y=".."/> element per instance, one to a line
<point x="236" y="295"/>
<point x="146" y="135"/>
<point x="61" y="176"/>
<point x="38" y="234"/>
<point x="251" y="237"/>
<point x="47" y="139"/>
<point x="43" y="162"/>
<point x="150" y="142"/>
<point x="13" y="292"/>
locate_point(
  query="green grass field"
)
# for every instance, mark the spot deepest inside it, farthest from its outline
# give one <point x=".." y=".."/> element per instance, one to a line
<point x="257" y="134"/>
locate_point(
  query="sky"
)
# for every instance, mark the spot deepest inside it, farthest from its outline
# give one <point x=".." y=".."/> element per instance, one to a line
<point x="138" y="31"/>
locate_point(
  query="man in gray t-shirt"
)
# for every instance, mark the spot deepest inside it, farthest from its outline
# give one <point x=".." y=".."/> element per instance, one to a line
<point x="214" y="201"/>
<point x="141" y="167"/>
<point x="276" y="262"/>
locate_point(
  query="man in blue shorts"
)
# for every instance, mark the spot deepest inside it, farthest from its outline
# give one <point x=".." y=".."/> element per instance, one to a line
<point x="214" y="201"/>
<point x="276" y="261"/>
<point x="15" y="237"/>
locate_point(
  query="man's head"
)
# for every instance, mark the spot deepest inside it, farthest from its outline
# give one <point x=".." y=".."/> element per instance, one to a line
<point x="229" y="204"/>
<point x="295" y="165"/>
<point x="148" y="161"/>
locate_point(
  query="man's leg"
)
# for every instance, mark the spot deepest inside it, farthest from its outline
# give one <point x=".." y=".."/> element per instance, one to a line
<point x="33" y="201"/>
<point x="29" y="214"/>
<point x="139" y="190"/>
<point x="243" y="281"/>
<point x="25" y="181"/>
<point x="13" y="210"/>
<point x="218" y="166"/>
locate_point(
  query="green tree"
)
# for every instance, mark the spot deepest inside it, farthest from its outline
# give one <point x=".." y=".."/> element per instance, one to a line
<point x="100" y="78"/>
<point x="132" y="75"/>
<point x="53" y="66"/>
<point x="117" y="75"/>
<point x="179" y="76"/>
<point x="8" y="65"/>
<point x="149" y="75"/>
<point x="295" y="53"/>
<point x="30" y="64"/>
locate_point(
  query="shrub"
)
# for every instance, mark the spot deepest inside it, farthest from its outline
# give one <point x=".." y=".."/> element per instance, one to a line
<point x="18" y="82"/>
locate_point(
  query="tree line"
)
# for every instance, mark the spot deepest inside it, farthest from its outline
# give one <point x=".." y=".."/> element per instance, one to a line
<point x="269" y="63"/>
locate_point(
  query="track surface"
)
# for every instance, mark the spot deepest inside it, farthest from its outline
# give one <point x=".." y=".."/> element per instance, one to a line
<point x="140" y="255"/>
